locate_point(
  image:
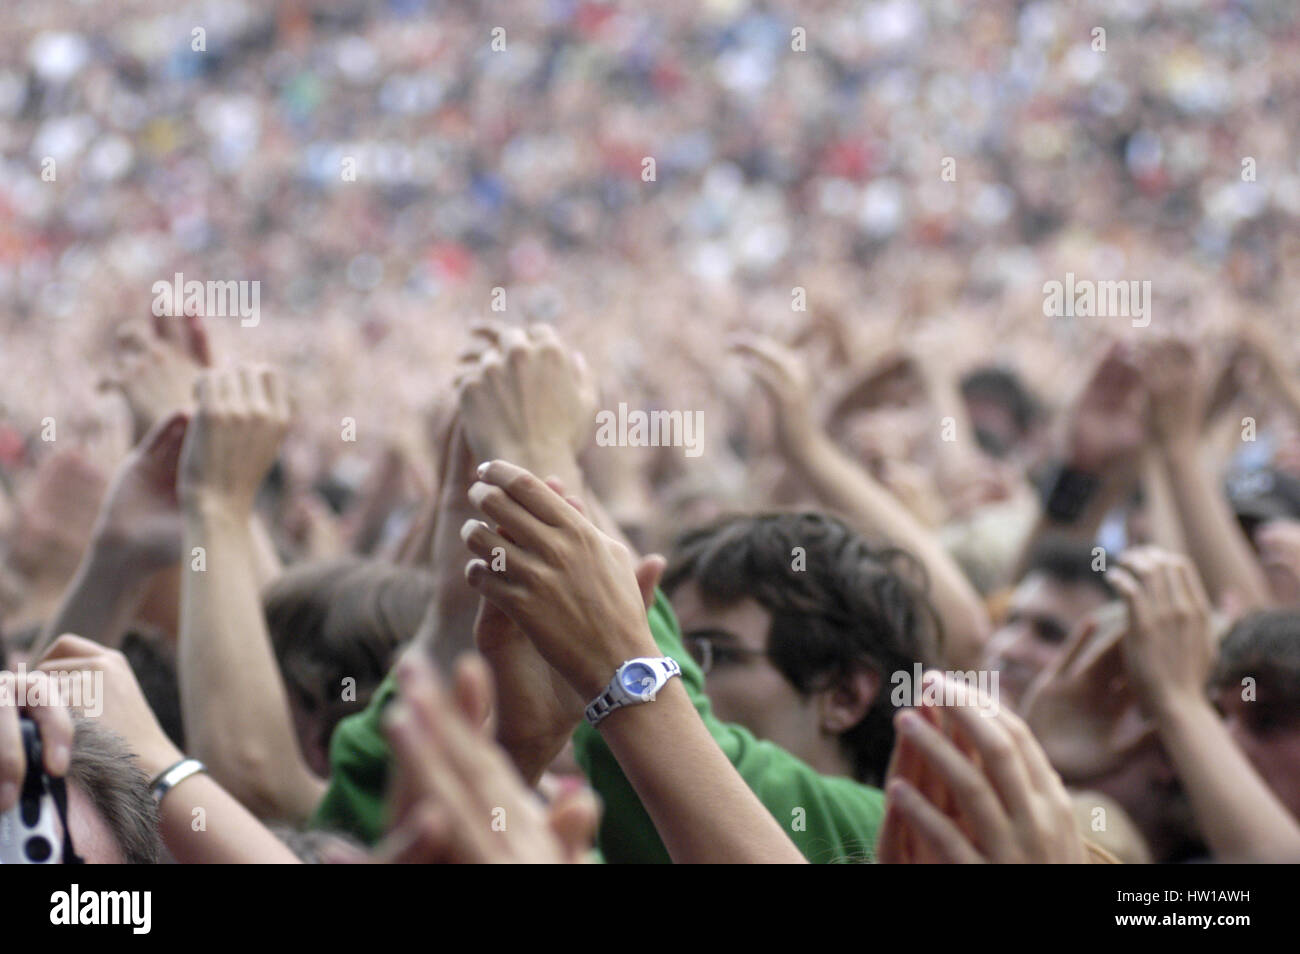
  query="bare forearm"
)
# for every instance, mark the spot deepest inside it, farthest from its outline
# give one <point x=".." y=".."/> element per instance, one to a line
<point x="702" y="809"/>
<point x="99" y="602"/>
<point x="842" y="485"/>
<point x="448" y="627"/>
<point x="234" y="704"/>
<point x="1240" y="817"/>
<point x="202" y="823"/>
<point x="266" y="561"/>
<point x="1166" y="527"/>
<point x="1214" y="539"/>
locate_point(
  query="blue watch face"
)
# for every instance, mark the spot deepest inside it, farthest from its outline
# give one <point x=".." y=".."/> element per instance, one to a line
<point x="638" y="678"/>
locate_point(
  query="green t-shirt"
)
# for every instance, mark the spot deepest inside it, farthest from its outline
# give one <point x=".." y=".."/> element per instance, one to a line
<point x="829" y="818"/>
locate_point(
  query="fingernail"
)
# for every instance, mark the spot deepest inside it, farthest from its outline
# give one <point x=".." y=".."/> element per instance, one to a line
<point x="908" y="722"/>
<point x="482" y="469"/>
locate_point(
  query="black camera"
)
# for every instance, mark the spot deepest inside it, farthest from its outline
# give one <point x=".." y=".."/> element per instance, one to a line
<point x="35" y="831"/>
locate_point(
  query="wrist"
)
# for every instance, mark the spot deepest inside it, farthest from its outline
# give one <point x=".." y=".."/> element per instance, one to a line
<point x="594" y="678"/>
<point x="157" y="756"/>
<point x="212" y="504"/>
<point x="634" y="724"/>
<point x="1172" y="705"/>
<point x="533" y="755"/>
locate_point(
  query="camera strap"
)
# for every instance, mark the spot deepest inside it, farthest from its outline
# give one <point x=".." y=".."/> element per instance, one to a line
<point x="59" y="792"/>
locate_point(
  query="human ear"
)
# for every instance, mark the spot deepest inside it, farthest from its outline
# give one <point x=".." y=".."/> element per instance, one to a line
<point x="844" y="704"/>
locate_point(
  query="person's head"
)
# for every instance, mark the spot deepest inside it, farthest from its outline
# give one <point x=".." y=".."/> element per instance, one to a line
<point x="111" y="813"/>
<point x="1001" y="409"/>
<point x="800" y="623"/>
<point x="1058" y="589"/>
<point x="336" y="627"/>
<point x="1256" y="685"/>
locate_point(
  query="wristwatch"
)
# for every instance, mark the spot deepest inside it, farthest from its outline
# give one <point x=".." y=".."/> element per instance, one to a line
<point x="635" y="682"/>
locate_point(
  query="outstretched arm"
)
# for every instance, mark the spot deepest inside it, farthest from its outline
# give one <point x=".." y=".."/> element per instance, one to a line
<point x="1174" y="372"/>
<point x="234" y="704"/>
<point x="1102" y="437"/>
<point x="573" y="591"/>
<point x="1168" y="651"/>
<point x="138" y="532"/>
<point x="840" y="484"/>
<point x="200" y="822"/>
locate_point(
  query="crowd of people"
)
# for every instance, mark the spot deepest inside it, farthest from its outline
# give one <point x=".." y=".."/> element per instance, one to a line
<point x="944" y="577"/>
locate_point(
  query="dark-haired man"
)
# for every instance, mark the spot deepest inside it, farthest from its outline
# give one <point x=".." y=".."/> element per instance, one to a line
<point x="1256" y="686"/>
<point x="799" y="624"/>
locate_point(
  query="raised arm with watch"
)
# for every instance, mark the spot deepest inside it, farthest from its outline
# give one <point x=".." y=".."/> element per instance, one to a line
<point x="573" y="591"/>
<point x="636" y="682"/>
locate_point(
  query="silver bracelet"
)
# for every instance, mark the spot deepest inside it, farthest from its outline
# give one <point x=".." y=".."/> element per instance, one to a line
<point x="170" y="778"/>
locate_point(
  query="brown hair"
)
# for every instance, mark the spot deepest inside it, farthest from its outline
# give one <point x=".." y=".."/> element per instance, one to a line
<point x="340" y="619"/>
<point x="104" y="768"/>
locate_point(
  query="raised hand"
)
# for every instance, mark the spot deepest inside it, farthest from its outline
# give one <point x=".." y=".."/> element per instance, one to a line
<point x="140" y="520"/>
<point x="571" y="588"/>
<point x="1081" y="707"/>
<point x="242" y="417"/>
<point x="1174" y="373"/>
<point x="123" y="706"/>
<point x="45" y="707"/>
<point x="538" y="709"/>
<point x="1169" y="645"/>
<point x="784" y="378"/>
<point x="523" y="394"/>
<point x="1169" y="651"/>
<point x="1105" y="425"/>
<point x="54" y="525"/>
<point x="991" y="795"/>
<point x="154" y="365"/>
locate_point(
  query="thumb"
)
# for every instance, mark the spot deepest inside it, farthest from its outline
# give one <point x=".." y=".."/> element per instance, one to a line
<point x="648" y="573"/>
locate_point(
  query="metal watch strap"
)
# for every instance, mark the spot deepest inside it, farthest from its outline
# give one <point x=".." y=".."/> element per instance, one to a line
<point x="600" y="707"/>
<point x="609" y="700"/>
